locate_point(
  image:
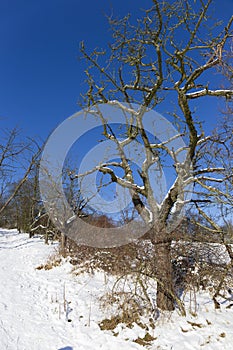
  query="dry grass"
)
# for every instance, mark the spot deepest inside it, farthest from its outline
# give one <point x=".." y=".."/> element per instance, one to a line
<point x="53" y="261"/>
<point x="146" y="340"/>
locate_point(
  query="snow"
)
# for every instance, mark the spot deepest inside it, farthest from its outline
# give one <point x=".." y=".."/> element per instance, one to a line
<point x="204" y="92"/>
<point x="32" y="311"/>
<point x="57" y="309"/>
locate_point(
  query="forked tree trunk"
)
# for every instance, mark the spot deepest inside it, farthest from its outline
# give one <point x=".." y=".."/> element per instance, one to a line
<point x="163" y="273"/>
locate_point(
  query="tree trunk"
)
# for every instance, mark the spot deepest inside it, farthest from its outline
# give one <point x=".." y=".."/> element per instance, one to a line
<point x="164" y="274"/>
<point x="63" y="244"/>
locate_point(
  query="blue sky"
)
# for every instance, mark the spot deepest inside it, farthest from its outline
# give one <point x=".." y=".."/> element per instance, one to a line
<point x="41" y="76"/>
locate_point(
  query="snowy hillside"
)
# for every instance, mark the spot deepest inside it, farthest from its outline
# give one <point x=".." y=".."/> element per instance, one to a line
<point x="55" y="309"/>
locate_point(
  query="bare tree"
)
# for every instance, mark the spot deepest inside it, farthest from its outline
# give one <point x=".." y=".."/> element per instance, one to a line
<point x="18" y="158"/>
<point x="164" y="57"/>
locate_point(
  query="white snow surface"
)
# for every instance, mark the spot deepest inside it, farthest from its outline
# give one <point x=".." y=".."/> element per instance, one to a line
<point x="57" y="310"/>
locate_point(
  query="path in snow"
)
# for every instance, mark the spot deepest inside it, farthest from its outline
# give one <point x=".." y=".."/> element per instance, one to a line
<point x="24" y="318"/>
<point x="32" y="315"/>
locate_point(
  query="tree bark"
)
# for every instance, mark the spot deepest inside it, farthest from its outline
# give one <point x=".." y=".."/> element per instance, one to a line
<point x="63" y="244"/>
<point x="164" y="273"/>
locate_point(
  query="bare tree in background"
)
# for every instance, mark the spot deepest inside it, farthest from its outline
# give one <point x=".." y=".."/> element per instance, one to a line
<point x="17" y="161"/>
<point x="164" y="57"/>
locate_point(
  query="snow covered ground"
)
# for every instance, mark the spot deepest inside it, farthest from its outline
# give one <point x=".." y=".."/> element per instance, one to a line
<point x="57" y="310"/>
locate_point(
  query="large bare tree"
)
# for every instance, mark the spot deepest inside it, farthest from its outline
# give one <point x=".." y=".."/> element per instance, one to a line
<point x="169" y="57"/>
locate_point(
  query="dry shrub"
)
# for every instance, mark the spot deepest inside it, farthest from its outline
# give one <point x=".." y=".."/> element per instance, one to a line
<point x="130" y="302"/>
<point x="118" y="260"/>
<point x="195" y="266"/>
<point x="53" y="261"/>
<point x="125" y="308"/>
<point x="201" y="265"/>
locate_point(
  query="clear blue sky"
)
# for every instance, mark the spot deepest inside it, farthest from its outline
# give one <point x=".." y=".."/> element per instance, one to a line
<point x="41" y="76"/>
